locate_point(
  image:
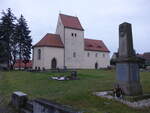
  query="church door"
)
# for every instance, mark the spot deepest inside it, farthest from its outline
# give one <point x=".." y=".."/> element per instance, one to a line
<point x="96" y="65"/>
<point x="53" y="63"/>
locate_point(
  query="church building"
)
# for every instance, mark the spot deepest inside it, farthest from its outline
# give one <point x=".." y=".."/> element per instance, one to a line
<point x="68" y="48"/>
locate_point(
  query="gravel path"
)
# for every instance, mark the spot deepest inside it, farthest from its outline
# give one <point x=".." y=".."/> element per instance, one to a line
<point x="138" y="104"/>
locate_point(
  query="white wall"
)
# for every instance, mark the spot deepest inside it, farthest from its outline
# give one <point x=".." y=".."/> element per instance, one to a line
<point x="36" y="61"/>
<point x="60" y="29"/>
<point x="51" y="53"/>
<point x="47" y="54"/>
<point x="103" y="59"/>
<point x="74" y="44"/>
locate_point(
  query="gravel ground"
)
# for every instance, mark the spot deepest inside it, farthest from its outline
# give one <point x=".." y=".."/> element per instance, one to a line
<point x="137" y="104"/>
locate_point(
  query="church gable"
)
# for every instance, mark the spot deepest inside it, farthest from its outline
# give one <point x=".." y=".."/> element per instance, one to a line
<point x="50" y="40"/>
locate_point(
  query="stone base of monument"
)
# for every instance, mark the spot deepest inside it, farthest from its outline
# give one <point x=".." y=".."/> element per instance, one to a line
<point x="128" y="78"/>
<point x="131" y="89"/>
<point x="137" y="98"/>
<point x="137" y="102"/>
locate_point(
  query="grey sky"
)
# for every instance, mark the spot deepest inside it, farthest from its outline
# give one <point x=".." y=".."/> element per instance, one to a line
<point x="100" y="18"/>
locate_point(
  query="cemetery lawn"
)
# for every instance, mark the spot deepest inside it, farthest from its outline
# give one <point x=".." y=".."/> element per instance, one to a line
<point x="76" y="93"/>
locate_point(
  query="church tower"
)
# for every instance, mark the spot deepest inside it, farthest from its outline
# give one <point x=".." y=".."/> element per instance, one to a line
<point x="72" y="36"/>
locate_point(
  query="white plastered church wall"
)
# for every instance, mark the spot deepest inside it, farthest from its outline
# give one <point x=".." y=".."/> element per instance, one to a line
<point x="36" y="61"/>
<point x="60" y="29"/>
<point x="53" y="52"/>
<point x="102" y="59"/>
<point x="47" y="54"/>
<point x="74" y="44"/>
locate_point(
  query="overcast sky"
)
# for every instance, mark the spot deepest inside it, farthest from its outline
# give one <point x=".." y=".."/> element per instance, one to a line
<point x="99" y="18"/>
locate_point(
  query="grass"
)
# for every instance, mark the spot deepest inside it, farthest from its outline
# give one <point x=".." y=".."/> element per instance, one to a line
<point x="77" y="93"/>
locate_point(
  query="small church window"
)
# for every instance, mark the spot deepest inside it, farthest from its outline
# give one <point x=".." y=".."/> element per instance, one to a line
<point x="103" y="55"/>
<point x="96" y="55"/>
<point x="88" y="54"/>
<point x="75" y="35"/>
<point x="39" y="54"/>
<point x="71" y="34"/>
<point x="74" y="54"/>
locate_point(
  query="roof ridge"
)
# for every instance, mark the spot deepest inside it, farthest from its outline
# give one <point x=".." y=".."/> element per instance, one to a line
<point x="92" y="39"/>
<point x="68" y="15"/>
<point x="51" y="34"/>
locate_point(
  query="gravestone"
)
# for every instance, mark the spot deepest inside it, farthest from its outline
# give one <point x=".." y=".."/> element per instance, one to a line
<point x="74" y="75"/>
<point x="127" y="64"/>
<point x="19" y="99"/>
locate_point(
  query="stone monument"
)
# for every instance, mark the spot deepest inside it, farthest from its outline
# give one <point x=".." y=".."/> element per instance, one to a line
<point x="127" y="64"/>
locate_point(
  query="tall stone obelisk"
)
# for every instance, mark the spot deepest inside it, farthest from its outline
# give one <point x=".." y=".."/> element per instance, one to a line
<point x="127" y="68"/>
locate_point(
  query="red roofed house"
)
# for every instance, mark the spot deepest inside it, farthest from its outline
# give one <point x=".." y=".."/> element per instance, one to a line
<point x="68" y="48"/>
<point x="146" y="57"/>
<point x="20" y="64"/>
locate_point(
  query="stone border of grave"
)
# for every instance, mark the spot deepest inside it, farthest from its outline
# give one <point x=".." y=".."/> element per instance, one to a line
<point x="139" y="104"/>
<point x="72" y="76"/>
<point x="20" y="101"/>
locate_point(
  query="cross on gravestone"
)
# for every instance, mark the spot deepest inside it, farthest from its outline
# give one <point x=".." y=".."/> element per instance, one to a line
<point x="127" y="64"/>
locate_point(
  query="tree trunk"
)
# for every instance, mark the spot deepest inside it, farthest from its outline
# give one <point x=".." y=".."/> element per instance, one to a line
<point x="25" y="65"/>
<point x="20" y="58"/>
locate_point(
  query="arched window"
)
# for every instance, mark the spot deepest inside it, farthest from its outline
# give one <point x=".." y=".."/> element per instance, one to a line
<point x="39" y="54"/>
<point x="53" y="63"/>
<point x="96" y="55"/>
<point x="75" y="35"/>
<point x="88" y="54"/>
<point x="103" y="55"/>
<point x="74" y="54"/>
<point x="72" y="34"/>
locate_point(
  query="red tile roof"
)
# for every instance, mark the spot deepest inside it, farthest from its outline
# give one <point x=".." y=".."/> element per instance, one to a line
<point x="140" y="55"/>
<point x="71" y="22"/>
<point x="50" y="40"/>
<point x="22" y="65"/>
<point x="95" y="45"/>
<point x="53" y="40"/>
<point x="146" y="55"/>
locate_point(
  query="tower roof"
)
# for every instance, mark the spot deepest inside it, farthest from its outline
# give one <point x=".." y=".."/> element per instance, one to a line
<point x="71" y="22"/>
